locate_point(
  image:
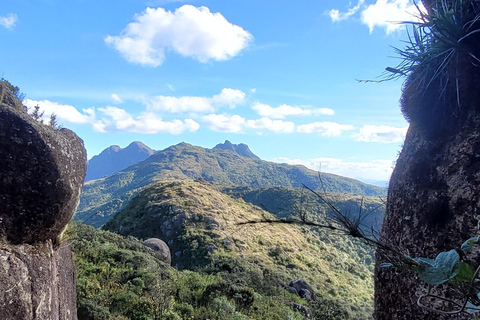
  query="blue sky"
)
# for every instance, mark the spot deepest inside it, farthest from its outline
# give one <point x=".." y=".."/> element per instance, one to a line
<point x="280" y="76"/>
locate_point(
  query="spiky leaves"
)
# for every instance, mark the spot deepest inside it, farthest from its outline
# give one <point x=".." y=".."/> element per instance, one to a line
<point x="441" y="62"/>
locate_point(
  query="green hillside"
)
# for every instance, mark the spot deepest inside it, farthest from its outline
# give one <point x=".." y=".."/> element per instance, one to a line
<point x="200" y="224"/>
<point x="104" y="197"/>
<point x="289" y="203"/>
<point x="119" y="279"/>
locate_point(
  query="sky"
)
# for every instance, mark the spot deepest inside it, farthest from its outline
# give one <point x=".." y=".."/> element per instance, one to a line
<point x="279" y="76"/>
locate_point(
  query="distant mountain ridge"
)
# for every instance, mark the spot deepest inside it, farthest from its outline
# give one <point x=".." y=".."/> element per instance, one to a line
<point x="114" y="159"/>
<point x="104" y="197"/>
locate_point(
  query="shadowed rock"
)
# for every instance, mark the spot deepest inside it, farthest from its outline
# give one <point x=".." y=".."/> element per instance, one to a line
<point x="303" y="289"/>
<point x="162" y="251"/>
<point x="41" y="177"/>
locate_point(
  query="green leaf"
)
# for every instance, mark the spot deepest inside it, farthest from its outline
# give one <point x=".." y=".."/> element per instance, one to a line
<point x="465" y="273"/>
<point x="438" y="271"/>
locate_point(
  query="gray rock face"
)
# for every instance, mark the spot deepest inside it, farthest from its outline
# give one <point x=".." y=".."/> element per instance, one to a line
<point x="41" y="177"/>
<point x="37" y="282"/>
<point x="162" y="251"/>
<point x="432" y="207"/>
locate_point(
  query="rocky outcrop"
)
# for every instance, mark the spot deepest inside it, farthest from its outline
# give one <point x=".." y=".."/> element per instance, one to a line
<point x="433" y="197"/>
<point x="41" y="177"/>
<point x="432" y="205"/>
<point x="162" y="251"/>
<point x="241" y="149"/>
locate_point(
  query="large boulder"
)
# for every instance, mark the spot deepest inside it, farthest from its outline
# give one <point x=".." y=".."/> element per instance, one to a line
<point x="162" y="251"/>
<point x="41" y="176"/>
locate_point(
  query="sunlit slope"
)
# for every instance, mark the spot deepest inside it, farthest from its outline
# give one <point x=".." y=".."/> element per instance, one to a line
<point x="202" y="227"/>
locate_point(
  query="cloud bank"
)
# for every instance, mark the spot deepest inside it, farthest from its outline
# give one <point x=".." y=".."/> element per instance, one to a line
<point x="227" y="97"/>
<point x="189" y="31"/>
<point x="379" y="169"/>
<point x="175" y="115"/>
<point x="284" y="111"/>
<point x="64" y="112"/>
<point x="117" y="119"/>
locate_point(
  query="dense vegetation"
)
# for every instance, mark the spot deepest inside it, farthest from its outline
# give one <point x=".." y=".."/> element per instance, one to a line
<point x="119" y="278"/>
<point x="102" y="198"/>
<point x="200" y="224"/>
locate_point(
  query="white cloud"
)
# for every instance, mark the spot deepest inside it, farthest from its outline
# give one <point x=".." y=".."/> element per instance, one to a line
<point x="284" y="111"/>
<point x="278" y="126"/>
<point x="389" y="14"/>
<point x="116" y="98"/>
<point x="182" y="104"/>
<point x="379" y="169"/>
<point x="386" y="14"/>
<point x="386" y="134"/>
<point x="190" y="31"/>
<point x="328" y="129"/>
<point x="228" y="97"/>
<point x="224" y="123"/>
<point x="117" y="119"/>
<point x="336" y="15"/>
<point x="63" y="112"/>
<point x="8" y="21"/>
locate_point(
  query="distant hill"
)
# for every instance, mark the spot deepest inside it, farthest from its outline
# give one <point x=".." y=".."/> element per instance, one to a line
<point x="201" y="226"/>
<point x="102" y="198"/>
<point x="114" y="159"/>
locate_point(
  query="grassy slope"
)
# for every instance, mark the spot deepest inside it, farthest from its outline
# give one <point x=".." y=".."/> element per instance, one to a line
<point x="108" y="195"/>
<point x="210" y="221"/>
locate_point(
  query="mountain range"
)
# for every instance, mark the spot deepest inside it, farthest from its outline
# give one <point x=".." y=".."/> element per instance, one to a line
<point x="227" y="164"/>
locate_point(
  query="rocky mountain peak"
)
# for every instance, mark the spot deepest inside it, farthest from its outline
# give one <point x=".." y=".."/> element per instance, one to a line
<point x="241" y="149"/>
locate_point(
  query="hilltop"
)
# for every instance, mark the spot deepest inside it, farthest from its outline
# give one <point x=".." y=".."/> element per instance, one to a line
<point x="104" y="197"/>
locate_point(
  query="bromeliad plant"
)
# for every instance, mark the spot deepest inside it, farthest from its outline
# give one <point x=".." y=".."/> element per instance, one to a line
<point x="442" y="43"/>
